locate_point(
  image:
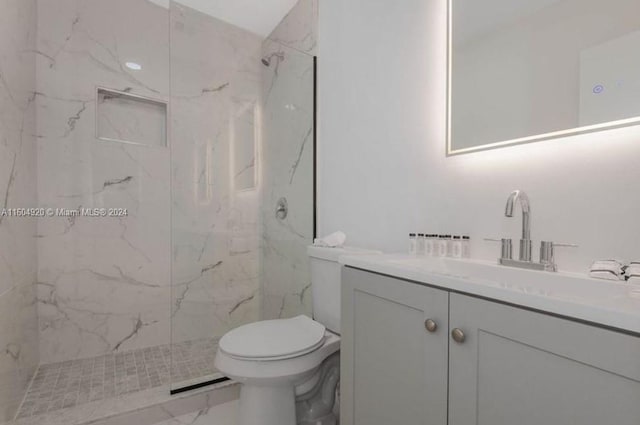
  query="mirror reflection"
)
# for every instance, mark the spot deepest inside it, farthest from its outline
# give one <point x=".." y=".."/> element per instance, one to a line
<point x="531" y="70"/>
<point x="245" y="149"/>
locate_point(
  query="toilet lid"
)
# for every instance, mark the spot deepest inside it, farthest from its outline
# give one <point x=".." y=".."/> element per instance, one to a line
<point x="274" y="339"/>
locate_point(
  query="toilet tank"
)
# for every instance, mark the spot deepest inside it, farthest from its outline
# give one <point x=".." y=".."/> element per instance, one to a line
<point x="325" y="283"/>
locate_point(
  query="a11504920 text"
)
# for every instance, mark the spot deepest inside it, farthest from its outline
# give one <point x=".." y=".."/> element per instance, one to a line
<point x="64" y="212"/>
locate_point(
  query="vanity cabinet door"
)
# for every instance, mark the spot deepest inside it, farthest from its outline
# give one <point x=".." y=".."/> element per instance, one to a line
<point x="393" y="369"/>
<point x="517" y="367"/>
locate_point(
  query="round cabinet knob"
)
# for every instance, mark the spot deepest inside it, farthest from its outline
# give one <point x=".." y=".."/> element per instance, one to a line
<point x="458" y="335"/>
<point x="431" y="325"/>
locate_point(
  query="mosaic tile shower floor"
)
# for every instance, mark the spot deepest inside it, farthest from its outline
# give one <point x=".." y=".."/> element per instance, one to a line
<point x="71" y="383"/>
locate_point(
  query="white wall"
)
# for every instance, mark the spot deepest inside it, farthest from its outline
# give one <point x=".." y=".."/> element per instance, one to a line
<point x="382" y="164"/>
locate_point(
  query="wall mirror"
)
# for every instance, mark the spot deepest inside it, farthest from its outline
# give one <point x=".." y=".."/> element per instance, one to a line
<point x="529" y="70"/>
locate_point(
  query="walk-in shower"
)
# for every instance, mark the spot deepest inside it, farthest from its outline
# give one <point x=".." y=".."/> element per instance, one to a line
<point x="152" y="144"/>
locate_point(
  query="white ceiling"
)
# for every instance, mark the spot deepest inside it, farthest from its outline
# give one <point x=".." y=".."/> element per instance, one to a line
<point x="258" y="16"/>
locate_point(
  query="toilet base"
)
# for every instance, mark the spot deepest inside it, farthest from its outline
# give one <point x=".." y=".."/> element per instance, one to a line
<point x="269" y="390"/>
<point x="319" y="405"/>
<point x="267" y="405"/>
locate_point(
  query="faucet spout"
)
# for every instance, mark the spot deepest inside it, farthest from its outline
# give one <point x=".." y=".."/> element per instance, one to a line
<point x="520" y="196"/>
<point x="525" y="243"/>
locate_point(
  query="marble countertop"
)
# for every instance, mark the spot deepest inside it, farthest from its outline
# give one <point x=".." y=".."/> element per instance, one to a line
<point x="576" y="296"/>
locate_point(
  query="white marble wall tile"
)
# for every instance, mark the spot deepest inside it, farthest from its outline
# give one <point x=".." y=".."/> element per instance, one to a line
<point x="103" y="283"/>
<point x="299" y="29"/>
<point x="17" y="147"/>
<point x="244" y="148"/>
<point x="18" y="317"/>
<point x="125" y="118"/>
<point x="215" y="252"/>
<point x="19" y="355"/>
<point x="287" y="171"/>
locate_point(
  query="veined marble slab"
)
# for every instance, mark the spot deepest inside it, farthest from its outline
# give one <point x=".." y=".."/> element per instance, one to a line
<point x="18" y="189"/>
<point x="215" y="239"/>
<point x="287" y="172"/>
<point x="222" y="414"/>
<point x="299" y="28"/>
<point x="103" y="283"/>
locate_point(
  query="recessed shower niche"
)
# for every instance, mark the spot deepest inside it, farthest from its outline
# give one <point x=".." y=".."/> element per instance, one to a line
<point x="128" y="118"/>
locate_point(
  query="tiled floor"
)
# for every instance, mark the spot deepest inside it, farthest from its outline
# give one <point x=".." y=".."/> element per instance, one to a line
<point x="71" y="383"/>
<point x="147" y="407"/>
<point x="223" y="414"/>
<point x="193" y="360"/>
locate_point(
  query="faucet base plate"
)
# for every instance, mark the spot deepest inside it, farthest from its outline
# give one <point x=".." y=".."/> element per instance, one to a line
<point x="529" y="265"/>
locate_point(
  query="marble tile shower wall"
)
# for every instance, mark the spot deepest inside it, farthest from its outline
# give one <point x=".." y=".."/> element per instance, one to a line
<point x="103" y="283"/>
<point x="18" y="257"/>
<point x="287" y="158"/>
<point x="299" y="28"/>
<point x="215" y="252"/>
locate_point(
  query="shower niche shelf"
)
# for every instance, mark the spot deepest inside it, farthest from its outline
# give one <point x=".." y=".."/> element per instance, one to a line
<point x="129" y="118"/>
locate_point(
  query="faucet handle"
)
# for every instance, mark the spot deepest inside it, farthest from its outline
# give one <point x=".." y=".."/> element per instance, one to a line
<point x="565" y="245"/>
<point x="506" y="252"/>
<point x="547" y="255"/>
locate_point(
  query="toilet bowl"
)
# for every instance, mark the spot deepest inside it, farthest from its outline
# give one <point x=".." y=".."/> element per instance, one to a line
<point x="289" y="369"/>
<point x="277" y="363"/>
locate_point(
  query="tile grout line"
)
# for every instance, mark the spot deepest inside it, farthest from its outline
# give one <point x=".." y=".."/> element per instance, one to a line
<point x="26" y="392"/>
<point x="73" y="383"/>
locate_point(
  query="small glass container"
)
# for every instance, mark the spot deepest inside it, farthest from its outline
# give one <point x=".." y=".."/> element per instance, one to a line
<point x="466" y="247"/>
<point x="413" y="244"/>
<point x="456" y="247"/>
<point x="435" y="252"/>
<point x="428" y="245"/>
<point x="420" y="245"/>
<point x="449" y="246"/>
<point x="442" y="245"/>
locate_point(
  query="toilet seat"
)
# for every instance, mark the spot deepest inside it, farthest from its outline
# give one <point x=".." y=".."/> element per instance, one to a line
<point x="271" y="340"/>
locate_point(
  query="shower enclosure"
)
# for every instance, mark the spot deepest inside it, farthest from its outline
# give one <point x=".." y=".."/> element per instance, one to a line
<point x="242" y="133"/>
<point x="155" y="143"/>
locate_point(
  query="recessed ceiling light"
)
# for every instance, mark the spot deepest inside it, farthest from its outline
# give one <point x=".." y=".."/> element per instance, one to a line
<point x="134" y="66"/>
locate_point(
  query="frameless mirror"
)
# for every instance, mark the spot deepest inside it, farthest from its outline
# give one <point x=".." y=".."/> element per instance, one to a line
<point x="529" y="70"/>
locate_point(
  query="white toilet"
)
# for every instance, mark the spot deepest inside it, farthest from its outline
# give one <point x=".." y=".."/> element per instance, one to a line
<point x="289" y="368"/>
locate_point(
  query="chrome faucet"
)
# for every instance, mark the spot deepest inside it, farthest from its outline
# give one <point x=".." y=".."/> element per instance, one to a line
<point x="525" y="242"/>
<point x="547" y="257"/>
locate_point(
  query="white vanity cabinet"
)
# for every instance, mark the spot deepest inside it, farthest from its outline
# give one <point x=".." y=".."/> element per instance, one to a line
<point x="510" y="366"/>
<point x="518" y="367"/>
<point x="394" y="370"/>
